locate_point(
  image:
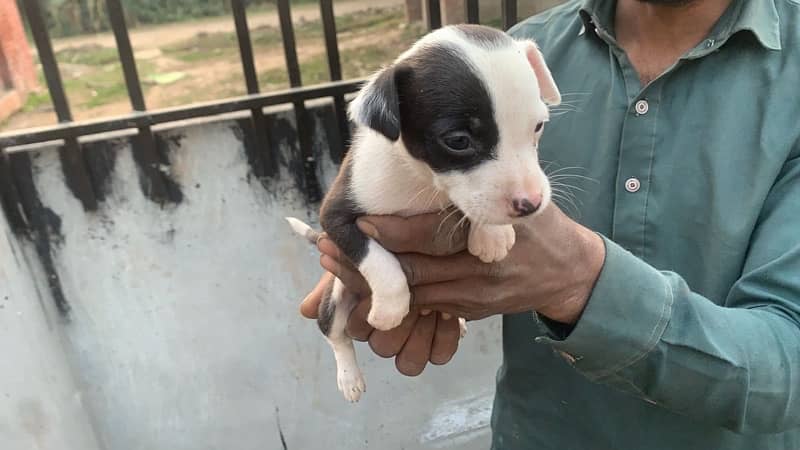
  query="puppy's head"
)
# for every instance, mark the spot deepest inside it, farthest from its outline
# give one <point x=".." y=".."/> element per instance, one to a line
<point x="470" y="103"/>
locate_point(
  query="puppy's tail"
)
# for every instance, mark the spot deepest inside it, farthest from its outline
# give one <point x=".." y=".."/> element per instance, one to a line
<point x="303" y="229"/>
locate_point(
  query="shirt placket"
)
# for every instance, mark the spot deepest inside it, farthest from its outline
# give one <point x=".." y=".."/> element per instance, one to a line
<point x="636" y="155"/>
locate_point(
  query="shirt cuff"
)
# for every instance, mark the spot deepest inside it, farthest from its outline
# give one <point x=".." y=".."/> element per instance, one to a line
<point x="624" y="318"/>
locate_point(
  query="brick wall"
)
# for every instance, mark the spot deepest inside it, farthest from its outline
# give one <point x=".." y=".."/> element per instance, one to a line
<point x="17" y="72"/>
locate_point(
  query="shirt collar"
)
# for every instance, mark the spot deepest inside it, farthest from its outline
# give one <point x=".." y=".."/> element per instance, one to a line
<point x="759" y="17"/>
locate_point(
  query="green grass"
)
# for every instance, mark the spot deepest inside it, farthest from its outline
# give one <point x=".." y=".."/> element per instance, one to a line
<point x="91" y="55"/>
<point x="92" y="89"/>
<point x="356" y="62"/>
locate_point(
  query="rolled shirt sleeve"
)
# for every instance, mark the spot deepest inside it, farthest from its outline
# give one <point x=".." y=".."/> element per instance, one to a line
<point x="646" y="332"/>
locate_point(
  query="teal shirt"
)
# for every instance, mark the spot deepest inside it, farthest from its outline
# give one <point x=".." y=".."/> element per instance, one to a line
<point x="691" y="337"/>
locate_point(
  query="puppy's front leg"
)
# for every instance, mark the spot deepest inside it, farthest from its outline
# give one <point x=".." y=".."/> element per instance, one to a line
<point x="491" y="243"/>
<point x="390" y="294"/>
<point x="381" y="269"/>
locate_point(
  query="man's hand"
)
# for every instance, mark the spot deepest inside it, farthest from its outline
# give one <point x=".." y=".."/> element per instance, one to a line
<point x="551" y="269"/>
<point x="422" y="337"/>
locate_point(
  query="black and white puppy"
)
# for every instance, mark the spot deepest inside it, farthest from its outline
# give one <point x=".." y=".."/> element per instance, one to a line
<point x="455" y="121"/>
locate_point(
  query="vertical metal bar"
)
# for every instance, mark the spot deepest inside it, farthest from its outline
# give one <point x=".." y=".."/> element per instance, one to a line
<point x="335" y="69"/>
<point x="117" y="18"/>
<point x="331" y="43"/>
<point x="472" y="11"/>
<point x="144" y="147"/>
<point x="48" y="60"/>
<point x="75" y="172"/>
<point x="304" y="125"/>
<point x="245" y="46"/>
<point x="434" y="14"/>
<point x="509" y="13"/>
<point x="264" y="161"/>
<point x="289" y="44"/>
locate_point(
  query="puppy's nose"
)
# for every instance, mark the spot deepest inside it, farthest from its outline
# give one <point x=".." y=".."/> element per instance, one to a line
<point x="525" y="206"/>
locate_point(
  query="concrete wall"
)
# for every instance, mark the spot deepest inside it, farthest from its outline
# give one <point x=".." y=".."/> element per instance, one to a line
<point x="183" y="331"/>
<point x="41" y="404"/>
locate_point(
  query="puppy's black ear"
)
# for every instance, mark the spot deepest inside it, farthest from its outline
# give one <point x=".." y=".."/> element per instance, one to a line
<point x="377" y="105"/>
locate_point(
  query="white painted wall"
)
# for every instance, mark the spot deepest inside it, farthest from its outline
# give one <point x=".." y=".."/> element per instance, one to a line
<point x="185" y="333"/>
<point x="41" y="406"/>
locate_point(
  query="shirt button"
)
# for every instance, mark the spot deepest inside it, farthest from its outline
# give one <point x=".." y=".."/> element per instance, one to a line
<point x="632" y="185"/>
<point x="642" y="107"/>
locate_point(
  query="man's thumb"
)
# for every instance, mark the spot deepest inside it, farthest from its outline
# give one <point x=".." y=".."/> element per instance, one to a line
<point x="309" y="307"/>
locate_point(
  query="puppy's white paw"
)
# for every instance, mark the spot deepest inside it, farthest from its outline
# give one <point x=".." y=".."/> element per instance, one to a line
<point x="351" y="384"/>
<point x="491" y="243"/>
<point x="462" y="326"/>
<point x="388" y="311"/>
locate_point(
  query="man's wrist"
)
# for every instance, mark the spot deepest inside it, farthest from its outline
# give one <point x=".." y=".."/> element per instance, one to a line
<point x="588" y="262"/>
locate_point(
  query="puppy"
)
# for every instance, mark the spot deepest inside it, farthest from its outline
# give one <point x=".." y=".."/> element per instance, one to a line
<point x="455" y="121"/>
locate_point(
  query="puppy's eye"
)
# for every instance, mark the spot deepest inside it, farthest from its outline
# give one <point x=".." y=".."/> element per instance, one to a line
<point x="457" y="142"/>
<point x="539" y="127"/>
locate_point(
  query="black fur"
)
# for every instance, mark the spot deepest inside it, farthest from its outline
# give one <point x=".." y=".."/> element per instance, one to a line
<point x="339" y="213"/>
<point x="439" y="93"/>
<point x="379" y="110"/>
<point x="483" y="36"/>
<point x="326" y="310"/>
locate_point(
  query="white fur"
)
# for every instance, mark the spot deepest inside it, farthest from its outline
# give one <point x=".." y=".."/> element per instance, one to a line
<point x="386" y="178"/>
<point x="348" y="375"/>
<point x="491" y="243"/>
<point x="390" y="294"/>
<point x="302" y="229"/>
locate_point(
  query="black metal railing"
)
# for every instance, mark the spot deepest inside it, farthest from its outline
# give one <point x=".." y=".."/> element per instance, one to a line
<point x="142" y="120"/>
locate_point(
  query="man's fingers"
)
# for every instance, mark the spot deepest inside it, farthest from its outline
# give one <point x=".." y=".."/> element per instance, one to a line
<point x="424" y="269"/>
<point x="309" y="307"/>
<point x="327" y="247"/>
<point x="389" y="343"/>
<point x="445" y="341"/>
<point x="349" y="276"/>
<point x="416" y="352"/>
<point x="430" y="234"/>
<point x="357" y="326"/>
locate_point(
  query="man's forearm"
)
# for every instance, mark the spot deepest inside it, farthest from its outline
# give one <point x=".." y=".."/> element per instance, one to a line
<point x="647" y="333"/>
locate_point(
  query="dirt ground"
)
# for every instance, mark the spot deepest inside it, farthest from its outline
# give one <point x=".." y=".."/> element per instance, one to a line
<point x="145" y="38"/>
<point x="196" y="61"/>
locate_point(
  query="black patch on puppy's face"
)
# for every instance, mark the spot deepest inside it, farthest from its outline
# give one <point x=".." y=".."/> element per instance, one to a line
<point x="441" y="97"/>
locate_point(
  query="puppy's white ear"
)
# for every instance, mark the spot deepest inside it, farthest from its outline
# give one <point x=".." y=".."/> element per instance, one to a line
<point x="377" y="104"/>
<point x="547" y="86"/>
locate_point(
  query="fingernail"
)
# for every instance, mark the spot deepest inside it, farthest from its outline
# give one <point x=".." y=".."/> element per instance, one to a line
<point x="424" y="312"/>
<point x="446" y="316"/>
<point x="367" y="228"/>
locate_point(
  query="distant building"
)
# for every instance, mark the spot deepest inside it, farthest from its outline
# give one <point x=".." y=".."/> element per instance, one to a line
<point x="17" y="72"/>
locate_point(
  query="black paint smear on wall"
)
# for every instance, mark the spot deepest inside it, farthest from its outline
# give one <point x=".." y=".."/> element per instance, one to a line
<point x="166" y="144"/>
<point x="284" y="149"/>
<point x="45" y="225"/>
<point x="101" y="157"/>
<point x="9" y="198"/>
<point x="154" y="180"/>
